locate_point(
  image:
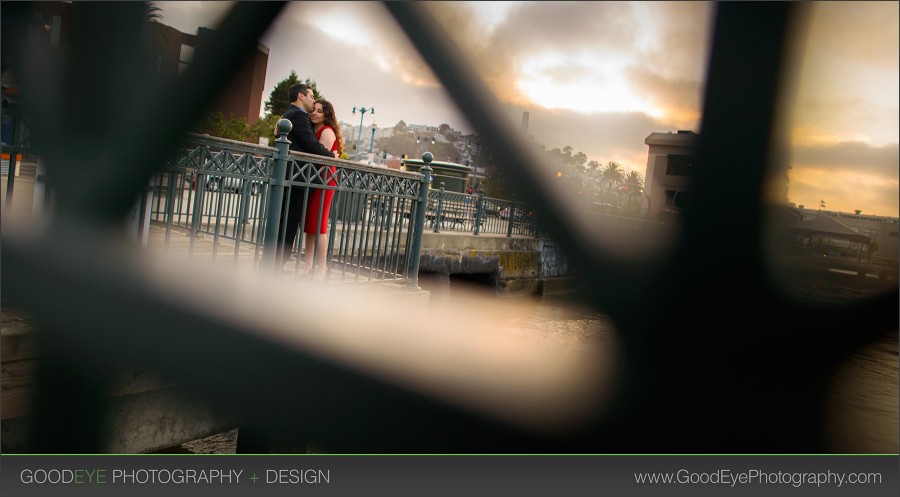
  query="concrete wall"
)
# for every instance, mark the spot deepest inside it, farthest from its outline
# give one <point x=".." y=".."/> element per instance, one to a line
<point x="516" y="265"/>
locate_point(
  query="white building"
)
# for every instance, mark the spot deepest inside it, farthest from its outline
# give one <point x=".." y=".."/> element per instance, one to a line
<point x="670" y="167"/>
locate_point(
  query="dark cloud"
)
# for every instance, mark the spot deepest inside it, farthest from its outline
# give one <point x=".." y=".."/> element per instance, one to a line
<point x="681" y="98"/>
<point x="663" y="46"/>
<point x="349" y="77"/>
<point x="566" y="26"/>
<point x="853" y="156"/>
<point x="357" y="80"/>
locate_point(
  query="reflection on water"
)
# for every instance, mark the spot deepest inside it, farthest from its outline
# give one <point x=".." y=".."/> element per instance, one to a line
<point x="865" y="401"/>
<point x="554" y="319"/>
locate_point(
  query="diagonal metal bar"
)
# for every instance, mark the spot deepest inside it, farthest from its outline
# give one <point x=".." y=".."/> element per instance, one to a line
<point x="151" y="117"/>
<point x="682" y="361"/>
<point x="560" y="216"/>
<point x="255" y="358"/>
<point x="703" y="285"/>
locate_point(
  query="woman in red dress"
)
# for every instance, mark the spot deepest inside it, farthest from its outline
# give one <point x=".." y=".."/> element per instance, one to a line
<point x="324" y="121"/>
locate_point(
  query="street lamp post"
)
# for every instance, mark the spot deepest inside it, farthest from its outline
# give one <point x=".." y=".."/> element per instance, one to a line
<point x="374" y="127"/>
<point x="362" y="112"/>
<point x="419" y="139"/>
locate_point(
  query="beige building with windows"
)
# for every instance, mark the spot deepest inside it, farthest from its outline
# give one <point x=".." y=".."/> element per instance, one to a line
<point x="670" y="166"/>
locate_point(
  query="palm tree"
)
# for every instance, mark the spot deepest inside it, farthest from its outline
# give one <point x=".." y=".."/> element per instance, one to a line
<point x="633" y="186"/>
<point x="154" y="37"/>
<point x="612" y="176"/>
<point x="152" y="12"/>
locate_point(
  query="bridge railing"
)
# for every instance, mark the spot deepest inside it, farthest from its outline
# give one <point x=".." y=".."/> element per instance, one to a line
<point x="221" y="189"/>
<point x="452" y="211"/>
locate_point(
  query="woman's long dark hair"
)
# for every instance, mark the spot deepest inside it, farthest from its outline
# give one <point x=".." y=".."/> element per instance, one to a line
<point x="331" y="120"/>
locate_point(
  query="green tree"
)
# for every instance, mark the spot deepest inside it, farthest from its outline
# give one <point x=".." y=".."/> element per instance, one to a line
<point x="612" y="176"/>
<point x="633" y="187"/>
<point x="580" y="159"/>
<point x="264" y="128"/>
<point x="278" y="100"/>
<point x="153" y="35"/>
<point x="216" y="124"/>
<point x="401" y="128"/>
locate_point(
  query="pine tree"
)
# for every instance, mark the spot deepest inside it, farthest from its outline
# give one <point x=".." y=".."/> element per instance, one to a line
<point x="278" y="101"/>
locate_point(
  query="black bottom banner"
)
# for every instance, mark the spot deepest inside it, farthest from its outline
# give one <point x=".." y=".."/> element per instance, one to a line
<point x="449" y="475"/>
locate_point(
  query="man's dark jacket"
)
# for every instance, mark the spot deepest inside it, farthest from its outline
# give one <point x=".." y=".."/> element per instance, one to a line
<point x="301" y="136"/>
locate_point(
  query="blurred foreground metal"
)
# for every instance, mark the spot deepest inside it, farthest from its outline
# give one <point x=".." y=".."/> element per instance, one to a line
<point x="712" y="357"/>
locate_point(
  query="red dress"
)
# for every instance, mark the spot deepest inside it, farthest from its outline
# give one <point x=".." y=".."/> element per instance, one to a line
<point x="315" y="197"/>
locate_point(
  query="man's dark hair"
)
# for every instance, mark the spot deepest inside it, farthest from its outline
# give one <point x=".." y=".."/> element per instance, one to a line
<point x="294" y="90"/>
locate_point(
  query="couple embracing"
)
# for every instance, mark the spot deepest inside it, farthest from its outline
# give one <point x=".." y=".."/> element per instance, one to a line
<point x="315" y="131"/>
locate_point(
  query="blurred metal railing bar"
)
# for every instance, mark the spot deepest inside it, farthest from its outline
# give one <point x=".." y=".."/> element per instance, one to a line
<point x="560" y="218"/>
<point x="138" y="120"/>
<point x="348" y="409"/>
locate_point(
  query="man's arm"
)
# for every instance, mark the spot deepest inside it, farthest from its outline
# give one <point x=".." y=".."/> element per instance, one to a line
<point x="302" y="135"/>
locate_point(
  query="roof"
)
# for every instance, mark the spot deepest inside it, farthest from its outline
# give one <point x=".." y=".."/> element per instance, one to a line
<point x="829" y="226"/>
<point x="681" y="138"/>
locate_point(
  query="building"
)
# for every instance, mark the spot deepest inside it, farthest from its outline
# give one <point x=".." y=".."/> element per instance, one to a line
<point x="670" y="167"/>
<point x="881" y="230"/>
<point x="243" y="97"/>
<point x="169" y="53"/>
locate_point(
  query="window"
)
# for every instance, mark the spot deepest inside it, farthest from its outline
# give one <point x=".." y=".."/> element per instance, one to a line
<point x="185" y="57"/>
<point x="680" y="165"/>
<point x="676" y="199"/>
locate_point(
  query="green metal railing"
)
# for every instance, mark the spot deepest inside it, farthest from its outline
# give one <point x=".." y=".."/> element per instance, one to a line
<point x="452" y="211"/>
<point x="222" y="189"/>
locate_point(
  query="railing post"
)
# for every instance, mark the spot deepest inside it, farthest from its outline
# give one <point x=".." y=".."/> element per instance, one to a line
<point x="509" y="219"/>
<point x="11" y="172"/>
<point x="420" y="222"/>
<point x="440" y="205"/>
<point x="276" y="195"/>
<point x="479" y="209"/>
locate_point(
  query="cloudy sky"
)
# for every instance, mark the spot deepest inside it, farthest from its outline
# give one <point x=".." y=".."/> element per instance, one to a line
<point x="601" y="76"/>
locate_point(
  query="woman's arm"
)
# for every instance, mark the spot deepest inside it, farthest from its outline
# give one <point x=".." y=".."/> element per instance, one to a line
<point x="327" y="139"/>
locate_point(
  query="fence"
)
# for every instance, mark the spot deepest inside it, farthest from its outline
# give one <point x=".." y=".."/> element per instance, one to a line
<point x="478" y="214"/>
<point x="222" y="189"/>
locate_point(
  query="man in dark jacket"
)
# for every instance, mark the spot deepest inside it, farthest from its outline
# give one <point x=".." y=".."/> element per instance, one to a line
<point x="265" y="439"/>
<point x="302" y="140"/>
